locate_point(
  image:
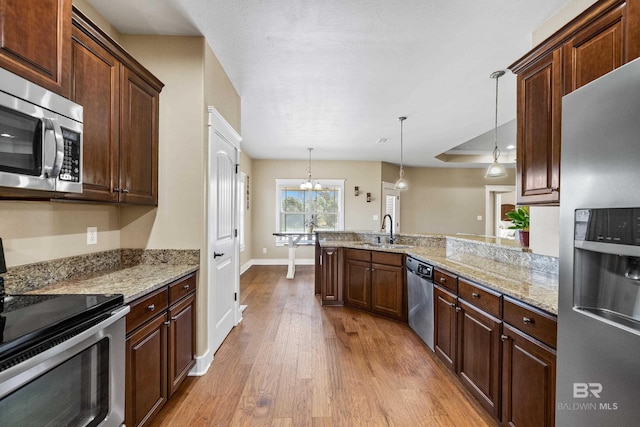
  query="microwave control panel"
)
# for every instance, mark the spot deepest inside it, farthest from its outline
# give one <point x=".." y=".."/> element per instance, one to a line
<point x="71" y="166"/>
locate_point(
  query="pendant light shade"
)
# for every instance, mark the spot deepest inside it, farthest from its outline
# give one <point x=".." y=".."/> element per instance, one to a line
<point x="308" y="185"/>
<point x="401" y="183"/>
<point x="496" y="170"/>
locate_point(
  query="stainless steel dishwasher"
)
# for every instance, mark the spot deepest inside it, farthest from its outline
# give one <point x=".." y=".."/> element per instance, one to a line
<point x="420" y="299"/>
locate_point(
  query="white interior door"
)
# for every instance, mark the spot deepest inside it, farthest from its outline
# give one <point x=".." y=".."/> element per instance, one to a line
<point x="223" y="250"/>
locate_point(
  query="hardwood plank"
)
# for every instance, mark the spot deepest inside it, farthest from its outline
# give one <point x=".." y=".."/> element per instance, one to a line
<point x="292" y="362"/>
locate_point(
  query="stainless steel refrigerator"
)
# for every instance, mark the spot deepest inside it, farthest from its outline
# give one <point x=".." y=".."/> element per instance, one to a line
<point x="598" y="372"/>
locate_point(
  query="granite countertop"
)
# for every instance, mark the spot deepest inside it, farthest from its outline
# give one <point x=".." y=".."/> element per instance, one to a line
<point x="537" y="288"/>
<point x="133" y="282"/>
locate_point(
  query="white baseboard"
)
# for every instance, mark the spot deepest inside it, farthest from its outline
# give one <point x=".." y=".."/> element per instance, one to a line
<point x="274" y="261"/>
<point x="202" y="364"/>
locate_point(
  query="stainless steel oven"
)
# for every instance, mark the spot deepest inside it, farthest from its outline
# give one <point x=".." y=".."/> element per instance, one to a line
<point x="69" y="372"/>
<point x="40" y="137"/>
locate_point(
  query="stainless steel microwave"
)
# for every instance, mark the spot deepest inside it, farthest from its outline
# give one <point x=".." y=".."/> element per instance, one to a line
<point x="40" y="137"/>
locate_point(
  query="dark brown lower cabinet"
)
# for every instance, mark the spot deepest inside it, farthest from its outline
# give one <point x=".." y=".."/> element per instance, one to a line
<point x="445" y="317"/>
<point x="387" y="291"/>
<point x="528" y="380"/>
<point x="160" y="348"/>
<point x="479" y="351"/>
<point x="357" y="284"/>
<point x="181" y="341"/>
<point x="146" y="368"/>
<point x="330" y="268"/>
<point x="375" y="281"/>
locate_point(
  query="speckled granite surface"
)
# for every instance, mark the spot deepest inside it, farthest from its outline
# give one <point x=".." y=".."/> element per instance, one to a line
<point x="132" y="282"/>
<point x="132" y="272"/>
<point x="528" y="277"/>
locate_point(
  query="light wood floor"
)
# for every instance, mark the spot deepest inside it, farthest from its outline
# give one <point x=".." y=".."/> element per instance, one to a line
<point x="291" y="362"/>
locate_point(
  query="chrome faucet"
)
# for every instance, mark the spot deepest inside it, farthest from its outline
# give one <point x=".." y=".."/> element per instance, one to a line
<point x="382" y="227"/>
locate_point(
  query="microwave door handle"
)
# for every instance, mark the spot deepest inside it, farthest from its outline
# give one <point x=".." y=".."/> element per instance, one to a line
<point x="53" y="148"/>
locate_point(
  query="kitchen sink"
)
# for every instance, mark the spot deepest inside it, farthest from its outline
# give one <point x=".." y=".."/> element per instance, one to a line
<point x="382" y="246"/>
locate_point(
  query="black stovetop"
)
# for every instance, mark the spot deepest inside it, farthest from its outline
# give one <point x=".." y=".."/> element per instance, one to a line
<point x="26" y="320"/>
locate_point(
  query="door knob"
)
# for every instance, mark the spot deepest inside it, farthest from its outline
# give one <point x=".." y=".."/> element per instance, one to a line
<point x="216" y="254"/>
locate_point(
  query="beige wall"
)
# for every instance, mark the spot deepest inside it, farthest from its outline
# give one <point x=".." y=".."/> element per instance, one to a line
<point x="358" y="213"/>
<point x="41" y="231"/>
<point x="446" y="200"/>
<point x="94" y="16"/>
<point x="572" y="9"/>
<point x="193" y="81"/>
<point x="178" y="220"/>
<point x="439" y="200"/>
<point x="246" y="166"/>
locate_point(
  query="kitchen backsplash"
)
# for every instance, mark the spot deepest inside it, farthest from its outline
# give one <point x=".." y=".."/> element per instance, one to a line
<point x="25" y="278"/>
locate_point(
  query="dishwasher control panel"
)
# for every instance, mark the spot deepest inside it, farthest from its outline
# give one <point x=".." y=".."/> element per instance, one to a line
<point x="420" y="268"/>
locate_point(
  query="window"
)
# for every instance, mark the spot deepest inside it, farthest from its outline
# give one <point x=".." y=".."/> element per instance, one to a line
<point x="298" y="210"/>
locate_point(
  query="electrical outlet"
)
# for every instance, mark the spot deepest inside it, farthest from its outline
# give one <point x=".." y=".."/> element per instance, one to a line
<point x="376" y="218"/>
<point x="479" y="218"/>
<point x="264" y="250"/>
<point x="92" y="235"/>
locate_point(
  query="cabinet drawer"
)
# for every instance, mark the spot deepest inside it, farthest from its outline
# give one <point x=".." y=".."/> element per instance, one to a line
<point x="530" y="320"/>
<point x="483" y="298"/>
<point x="446" y="280"/>
<point x="147" y="307"/>
<point x="357" y="254"/>
<point x="388" y="258"/>
<point x="181" y="288"/>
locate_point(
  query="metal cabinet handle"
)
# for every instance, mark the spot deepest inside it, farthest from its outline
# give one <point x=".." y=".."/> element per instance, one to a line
<point x="504" y="337"/>
<point x="528" y="321"/>
<point x="167" y="323"/>
<point x="475" y="295"/>
<point x="116" y="190"/>
<point x="174" y="319"/>
<point x="458" y="309"/>
<point x="126" y="190"/>
<point x="554" y="189"/>
<point x="442" y="280"/>
<point x="373" y="269"/>
<point x="216" y="255"/>
<point x="185" y="287"/>
<point x="151" y="307"/>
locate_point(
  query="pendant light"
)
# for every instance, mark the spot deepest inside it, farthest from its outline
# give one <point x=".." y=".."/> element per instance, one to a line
<point x="496" y="170"/>
<point x="401" y="183"/>
<point x="308" y="185"/>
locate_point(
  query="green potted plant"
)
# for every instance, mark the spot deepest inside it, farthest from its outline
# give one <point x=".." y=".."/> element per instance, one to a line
<point x="520" y="221"/>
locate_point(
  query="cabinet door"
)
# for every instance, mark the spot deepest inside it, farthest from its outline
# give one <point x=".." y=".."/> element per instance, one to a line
<point x="445" y="326"/>
<point x="595" y="50"/>
<point x="357" y="287"/>
<point x="138" y="140"/>
<point x="479" y="352"/>
<point x="35" y="41"/>
<point x="387" y="291"/>
<point x="528" y="381"/>
<point x="146" y="372"/>
<point x="182" y="341"/>
<point x="96" y="81"/>
<point x="330" y="289"/>
<point x="539" y="113"/>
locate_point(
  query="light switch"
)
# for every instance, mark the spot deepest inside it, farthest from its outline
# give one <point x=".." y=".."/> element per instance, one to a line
<point x="479" y="218"/>
<point x="376" y="218"/>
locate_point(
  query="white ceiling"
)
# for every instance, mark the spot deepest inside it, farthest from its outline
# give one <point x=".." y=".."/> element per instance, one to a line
<point x="336" y="74"/>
